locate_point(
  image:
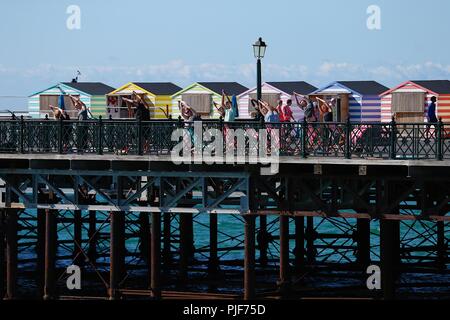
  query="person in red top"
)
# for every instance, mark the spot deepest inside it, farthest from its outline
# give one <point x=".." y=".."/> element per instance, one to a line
<point x="286" y="111"/>
<point x="278" y="110"/>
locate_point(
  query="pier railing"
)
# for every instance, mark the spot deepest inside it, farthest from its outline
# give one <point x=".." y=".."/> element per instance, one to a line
<point x="347" y="140"/>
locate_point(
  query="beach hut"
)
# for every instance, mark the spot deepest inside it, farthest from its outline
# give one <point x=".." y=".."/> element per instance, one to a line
<point x="359" y="100"/>
<point x="93" y="94"/>
<point x="272" y="92"/>
<point x="157" y="94"/>
<point x="408" y="102"/>
<point x="201" y="95"/>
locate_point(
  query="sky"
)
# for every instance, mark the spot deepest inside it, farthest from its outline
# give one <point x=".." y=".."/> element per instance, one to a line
<point x="208" y="40"/>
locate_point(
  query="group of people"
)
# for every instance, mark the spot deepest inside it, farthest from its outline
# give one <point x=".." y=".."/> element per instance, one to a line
<point x="312" y="109"/>
<point x="59" y="112"/>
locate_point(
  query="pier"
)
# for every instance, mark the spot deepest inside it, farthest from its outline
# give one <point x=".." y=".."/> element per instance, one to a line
<point x="106" y="196"/>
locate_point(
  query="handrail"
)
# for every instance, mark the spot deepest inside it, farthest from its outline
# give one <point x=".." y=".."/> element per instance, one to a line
<point x="387" y="140"/>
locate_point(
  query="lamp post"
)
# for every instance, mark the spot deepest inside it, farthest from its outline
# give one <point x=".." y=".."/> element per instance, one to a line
<point x="259" y="49"/>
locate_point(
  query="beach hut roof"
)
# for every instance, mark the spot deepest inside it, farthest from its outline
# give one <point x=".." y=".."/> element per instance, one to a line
<point x="365" y="87"/>
<point x="359" y="87"/>
<point x="433" y="86"/>
<point x="91" y="88"/>
<point x="437" y="86"/>
<point x="159" y="88"/>
<point x="290" y="87"/>
<point x="231" y="88"/>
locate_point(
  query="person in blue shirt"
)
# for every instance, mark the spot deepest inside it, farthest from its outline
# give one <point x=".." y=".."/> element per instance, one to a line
<point x="431" y="114"/>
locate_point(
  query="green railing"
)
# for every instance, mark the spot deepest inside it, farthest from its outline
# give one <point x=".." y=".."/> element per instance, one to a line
<point x="348" y="140"/>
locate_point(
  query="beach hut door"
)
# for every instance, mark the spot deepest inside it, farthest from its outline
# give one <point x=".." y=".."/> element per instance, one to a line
<point x="201" y="103"/>
<point x="408" y="107"/>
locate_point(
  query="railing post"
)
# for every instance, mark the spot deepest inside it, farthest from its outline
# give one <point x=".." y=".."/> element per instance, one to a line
<point x="348" y="147"/>
<point x="393" y="139"/>
<point x="22" y="134"/>
<point x="304" y="144"/>
<point x="440" y="147"/>
<point x="100" y="135"/>
<point x="140" y="149"/>
<point x="60" y="136"/>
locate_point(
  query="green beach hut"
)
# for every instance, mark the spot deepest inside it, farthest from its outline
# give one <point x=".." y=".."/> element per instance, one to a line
<point x="93" y="94"/>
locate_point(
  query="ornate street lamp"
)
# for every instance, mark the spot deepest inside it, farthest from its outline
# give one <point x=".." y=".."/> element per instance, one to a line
<point x="259" y="49"/>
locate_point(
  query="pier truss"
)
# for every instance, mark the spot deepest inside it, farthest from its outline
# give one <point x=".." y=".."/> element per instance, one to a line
<point x="143" y="227"/>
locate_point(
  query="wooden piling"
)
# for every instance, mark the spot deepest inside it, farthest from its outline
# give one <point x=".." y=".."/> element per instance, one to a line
<point x="2" y="252"/>
<point x="249" y="258"/>
<point x="11" y="254"/>
<point x="389" y="249"/>
<point x="441" y="246"/>
<point x="92" y="236"/>
<point x="310" y="237"/>
<point x="117" y="254"/>
<point x="50" y="254"/>
<point x="184" y="247"/>
<point x="144" y="237"/>
<point x="155" y="256"/>
<point x="77" y="237"/>
<point x="213" y="263"/>
<point x="299" y="251"/>
<point x="263" y="240"/>
<point x="167" y="251"/>
<point x="363" y="242"/>
<point x="283" y="283"/>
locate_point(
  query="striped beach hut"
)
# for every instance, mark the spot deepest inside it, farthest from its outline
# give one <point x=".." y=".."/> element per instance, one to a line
<point x="272" y="92"/>
<point x="93" y="94"/>
<point x="408" y="102"/>
<point x="201" y="95"/>
<point x="359" y="100"/>
<point x="157" y="94"/>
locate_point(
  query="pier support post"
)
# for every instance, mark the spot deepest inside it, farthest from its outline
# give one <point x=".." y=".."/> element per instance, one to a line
<point x="299" y="250"/>
<point x="11" y="254"/>
<point x="184" y="246"/>
<point x="50" y="253"/>
<point x="213" y="264"/>
<point x="284" y="282"/>
<point x="249" y="258"/>
<point x="263" y="240"/>
<point x="167" y="254"/>
<point x="389" y="242"/>
<point x="144" y="235"/>
<point x="116" y="253"/>
<point x="363" y="242"/>
<point x="2" y="252"/>
<point x="40" y="245"/>
<point x="310" y="237"/>
<point x="77" y="237"/>
<point x="92" y="236"/>
<point x="441" y="245"/>
<point x="156" y="255"/>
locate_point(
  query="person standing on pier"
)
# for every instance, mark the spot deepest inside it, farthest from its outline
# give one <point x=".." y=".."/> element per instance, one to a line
<point x="431" y="113"/>
<point x="286" y="116"/>
<point x="141" y="113"/>
<point x="326" y="114"/>
<point x="82" y="126"/>
<point x="228" y="114"/>
<point x="189" y="115"/>
<point x="61" y="114"/>
<point x="431" y="117"/>
<point x="270" y="116"/>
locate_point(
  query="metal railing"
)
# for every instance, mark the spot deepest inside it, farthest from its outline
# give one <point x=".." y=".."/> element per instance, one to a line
<point x="347" y="140"/>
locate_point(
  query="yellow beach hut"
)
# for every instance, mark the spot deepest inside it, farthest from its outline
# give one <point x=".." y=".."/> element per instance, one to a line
<point x="157" y="94"/>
